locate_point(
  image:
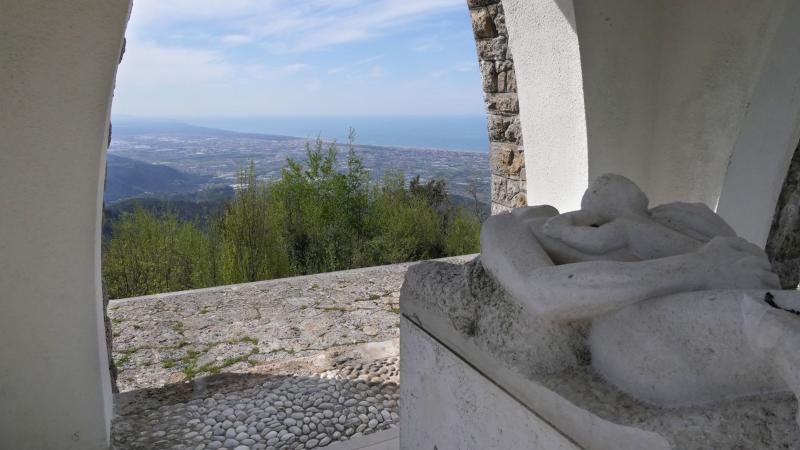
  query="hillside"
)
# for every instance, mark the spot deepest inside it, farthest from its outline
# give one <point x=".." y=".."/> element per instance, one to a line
<point x="129" y="178"/>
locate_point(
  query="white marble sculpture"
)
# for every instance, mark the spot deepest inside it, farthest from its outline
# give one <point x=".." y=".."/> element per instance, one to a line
<point x="682" y="311"/>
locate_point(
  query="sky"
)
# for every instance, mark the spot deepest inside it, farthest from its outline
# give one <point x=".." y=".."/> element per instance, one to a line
<point x="239" y="58"/>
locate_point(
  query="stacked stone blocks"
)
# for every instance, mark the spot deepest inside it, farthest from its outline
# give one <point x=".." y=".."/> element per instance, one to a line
<point x="502" y="108"/>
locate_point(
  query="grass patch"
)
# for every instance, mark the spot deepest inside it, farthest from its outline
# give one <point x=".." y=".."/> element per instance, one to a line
<point x="168" y="363"/>
<point x="205" y="310"/>
<point x="191" y="370"/>
<point x="117" y="320"/>
<point x="249" y="340"/>
<point x="246" y="339"/>
<point x="395" y="310"/>
<point x="374" y="296"/>
<point x="178" y="327"/>
<point x="122" y="360"/>
<point x="282" y="349"/>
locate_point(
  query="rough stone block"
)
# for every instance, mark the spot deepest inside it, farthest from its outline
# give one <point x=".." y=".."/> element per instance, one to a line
<point x="482" y="23"/>
<point x="504" y="129"/>
<point x="493" y="49"/>
<point x="497" y="127"/>
<point x="498" y="208"/>
<point x="499" y="18"/>
<point x="479" y="3"/>
<point x="504" y="66"/>
<point x="488" y="76"/>
<point x="505" y="76"/>
<point x="513" y="132"/>
<point x="783" y="244"/>
<point x="501" y="82"/>
<point x="508" y="192"/>
<point x="502" y="102"/>
<point x="510" y="81"/>
<point x="506" y="159"/>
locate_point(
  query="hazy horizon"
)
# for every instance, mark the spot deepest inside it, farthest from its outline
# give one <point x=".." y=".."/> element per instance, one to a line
<point x="445" y="132"/>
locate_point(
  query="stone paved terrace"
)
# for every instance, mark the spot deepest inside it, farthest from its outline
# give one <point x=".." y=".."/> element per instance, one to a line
<point x="292" y="363"/>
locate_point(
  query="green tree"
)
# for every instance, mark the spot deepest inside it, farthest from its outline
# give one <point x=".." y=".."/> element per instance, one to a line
<point x="253" y="245"/>
<point x="403" y="226"/>
<point x="463" y="235"/>
<point x="325" y="208"/>
<point x="148" y="255"/>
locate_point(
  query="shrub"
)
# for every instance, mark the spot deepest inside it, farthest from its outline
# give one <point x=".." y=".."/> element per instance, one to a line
<point x="149" y="255"/>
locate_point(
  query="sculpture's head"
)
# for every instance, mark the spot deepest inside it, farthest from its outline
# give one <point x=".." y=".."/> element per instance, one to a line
<point x="612" y="195"/>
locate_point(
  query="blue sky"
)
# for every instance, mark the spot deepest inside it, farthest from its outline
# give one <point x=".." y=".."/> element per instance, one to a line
<point x="196" y="58"/>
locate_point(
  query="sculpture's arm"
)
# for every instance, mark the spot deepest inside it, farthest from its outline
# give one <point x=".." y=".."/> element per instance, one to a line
<point x="692" y="219"/>
<point x="588" y="289"/>
<point x="514" y="257"/>
<point x="587" y="232"/>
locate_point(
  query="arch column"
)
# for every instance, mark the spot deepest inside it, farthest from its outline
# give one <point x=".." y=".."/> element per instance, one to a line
<point x="692" y="101"/>
<point x="506" y="155"/>
<point x="58" y="61"/>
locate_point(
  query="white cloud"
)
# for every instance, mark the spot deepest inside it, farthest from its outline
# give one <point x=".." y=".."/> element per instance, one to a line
<point x="293" y="68"/>
<point x="304" y="25"/>
<point x="361" y="62"/>
<point x="182" y="58"/>
<point x="148" y="64"/>
<point x="236" y="39"/>
<point x="312" y="85"/>
<point x="148" y="12"/>
<point x="427" y="47"/>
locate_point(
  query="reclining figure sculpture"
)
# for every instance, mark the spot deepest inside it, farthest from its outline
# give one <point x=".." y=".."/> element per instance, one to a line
<point x="682" y="311"/>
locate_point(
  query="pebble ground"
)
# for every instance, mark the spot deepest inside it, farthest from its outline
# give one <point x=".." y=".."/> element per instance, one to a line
<point x="284" y="412"/>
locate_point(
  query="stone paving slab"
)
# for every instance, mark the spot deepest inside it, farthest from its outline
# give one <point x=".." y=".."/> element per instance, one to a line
<point x="301" y="323"/>
<point x="299" y="363"/>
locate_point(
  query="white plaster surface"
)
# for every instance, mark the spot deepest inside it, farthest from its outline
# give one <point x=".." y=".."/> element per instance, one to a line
<point x="446" y="404"/>
<point x="58" y="61"/>
<point x="665" y="93"/>
<point x="768" y="136"/>
<point x="547" y="64"/>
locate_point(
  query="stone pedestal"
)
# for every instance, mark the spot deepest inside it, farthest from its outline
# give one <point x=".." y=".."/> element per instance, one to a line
<point x="448" y="404"/>
<point x="473" y="377"/>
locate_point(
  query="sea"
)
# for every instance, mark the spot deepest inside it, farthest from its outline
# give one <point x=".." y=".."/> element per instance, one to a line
<point x="455" y="133"/>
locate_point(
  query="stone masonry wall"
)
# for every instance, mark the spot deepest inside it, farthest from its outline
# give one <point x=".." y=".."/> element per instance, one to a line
<point x="112" y="367"/>
<point x="783" y="243"/>
<point x="502" y="108"/>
